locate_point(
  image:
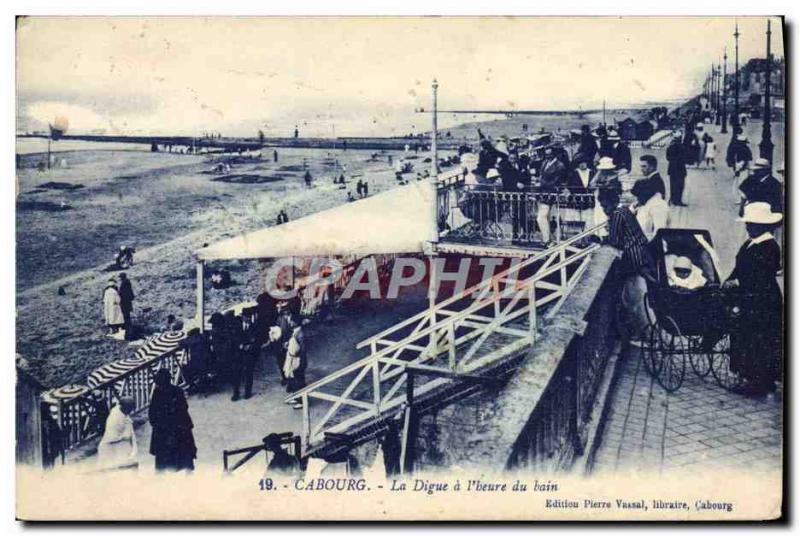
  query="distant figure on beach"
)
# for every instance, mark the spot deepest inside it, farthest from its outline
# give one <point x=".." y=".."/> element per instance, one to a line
<point x="172" y="442"/>
<point x="307" y="178"/>
<point x="360" y="188"/>
<point x="365" y="188"/>
<point x="112" y="311"/>
<point x="126" y="297"/>
<point x="282" y="217"/>
<point x="350" y="197"/>
<point x="124" y="258"/>
<point x="274" y="155"/>
<point x="117" y="448"/>
<point x="296" y="133"/>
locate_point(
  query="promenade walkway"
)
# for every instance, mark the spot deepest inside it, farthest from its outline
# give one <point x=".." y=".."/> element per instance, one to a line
<point x="701" y="424"/>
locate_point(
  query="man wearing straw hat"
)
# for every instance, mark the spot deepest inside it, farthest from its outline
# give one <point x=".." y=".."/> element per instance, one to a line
<point x="756" y="344"/>
<point x="762" y="186"/>
<point x="619" y="151"/>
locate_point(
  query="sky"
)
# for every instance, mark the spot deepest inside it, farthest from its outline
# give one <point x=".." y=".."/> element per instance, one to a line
<point x="353" y="76"/>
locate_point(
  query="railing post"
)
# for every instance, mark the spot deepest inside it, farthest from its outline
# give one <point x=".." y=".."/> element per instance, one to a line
<point x="558" y="218"/>
<point x="532" y="310"/>
<point x="376" y="386"/>
<point x="451" y="342"/>
<point x="306" y="423"/>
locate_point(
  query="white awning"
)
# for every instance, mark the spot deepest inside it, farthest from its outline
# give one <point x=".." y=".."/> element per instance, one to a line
<point x="398" y="221"/>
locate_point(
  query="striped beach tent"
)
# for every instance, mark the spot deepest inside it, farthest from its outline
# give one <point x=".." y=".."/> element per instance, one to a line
<point x="63" y="393"/>
<point x="112" y="371"/>
<point x="158" y="345"/>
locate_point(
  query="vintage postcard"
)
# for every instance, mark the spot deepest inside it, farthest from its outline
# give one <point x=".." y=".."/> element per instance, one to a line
<point x="400" y="268"/>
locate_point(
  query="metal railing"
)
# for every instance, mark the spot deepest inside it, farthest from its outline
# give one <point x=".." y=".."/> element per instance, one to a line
<point x="484" y="324"/>
<point x="487" y="213"/>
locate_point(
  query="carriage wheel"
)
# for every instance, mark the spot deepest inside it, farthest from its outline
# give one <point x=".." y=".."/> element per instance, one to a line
<point x="699" y="360"/>
<point x="673" y="350"/>
<point x="652" y="354"/>
<point x="720" y="357"/>
<point x="651" y="344"/>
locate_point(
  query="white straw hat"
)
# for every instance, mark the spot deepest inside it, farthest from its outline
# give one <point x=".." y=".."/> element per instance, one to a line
<point x="760" y="212"/>
<point x="492" y="173"/>
<point x="606" y="163"/>
<point x="760" y="163"/>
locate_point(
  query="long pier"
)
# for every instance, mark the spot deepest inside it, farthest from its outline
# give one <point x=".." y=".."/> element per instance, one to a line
<point x="237" y="144"/>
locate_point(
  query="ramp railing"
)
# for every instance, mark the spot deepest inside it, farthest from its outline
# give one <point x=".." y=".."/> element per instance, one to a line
<point x="482" y="325"/>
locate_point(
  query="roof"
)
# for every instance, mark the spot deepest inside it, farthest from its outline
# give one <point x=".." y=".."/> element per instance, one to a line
<point x="398" y="221"/>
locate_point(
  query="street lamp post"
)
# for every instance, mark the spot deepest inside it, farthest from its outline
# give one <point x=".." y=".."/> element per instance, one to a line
<point x="735" y="119"/>
<point x="434" y="134"/>
<point x="725" y="92"/>
<point x="766" y="146"/>
<point x="434" y="178"/>
<point x="716" y="94"/>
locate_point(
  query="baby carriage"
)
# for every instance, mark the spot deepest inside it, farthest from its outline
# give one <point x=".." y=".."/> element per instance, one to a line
<point x="688" y="319"/>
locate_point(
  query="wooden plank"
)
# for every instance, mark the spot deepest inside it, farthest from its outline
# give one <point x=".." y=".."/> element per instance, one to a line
<point x="346" y="401"/>
<point x="344" y="396"/>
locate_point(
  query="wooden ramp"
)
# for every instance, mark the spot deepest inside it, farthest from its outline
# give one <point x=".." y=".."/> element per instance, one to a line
<point x="450" y="349"/>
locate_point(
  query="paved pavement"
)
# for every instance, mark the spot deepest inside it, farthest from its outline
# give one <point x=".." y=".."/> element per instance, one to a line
<point x="701" y="425"/>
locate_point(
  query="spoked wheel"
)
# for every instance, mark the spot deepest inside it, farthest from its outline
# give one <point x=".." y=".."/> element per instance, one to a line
<point x="673" y="356"/>
<point x="652" y="354"/>
<point x="651" y="343"/>
<point x="699" y="360"/>
<point x="720" y="357"/>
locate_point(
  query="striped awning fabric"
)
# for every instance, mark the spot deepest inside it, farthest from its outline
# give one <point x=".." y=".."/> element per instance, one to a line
<point x="111" y="371"/>
<point x="159" y="345"/>
<point x="65" y="392"/>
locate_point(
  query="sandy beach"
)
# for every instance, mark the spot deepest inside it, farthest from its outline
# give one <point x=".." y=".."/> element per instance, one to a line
<point x="72" y="218"/>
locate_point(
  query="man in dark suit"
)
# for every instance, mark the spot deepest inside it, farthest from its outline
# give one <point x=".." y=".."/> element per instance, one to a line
<point x="514" y="181"/>
<point x="588" y="144"/>
<point x="676" y="169"/>
<point x="649" y="166"/>
<point x="126" y="298"/>
<point x="759" y="186"/>
<point x="619" y="151"/>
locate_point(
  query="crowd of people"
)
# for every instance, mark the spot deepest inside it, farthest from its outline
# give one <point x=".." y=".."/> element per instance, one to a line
<point x="601" y="158"/>
<point x="756" y="333"/>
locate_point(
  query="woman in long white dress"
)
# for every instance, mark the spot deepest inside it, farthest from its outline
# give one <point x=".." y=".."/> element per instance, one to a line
<point x="112" y="309"/>
<point x="117" y="448"/>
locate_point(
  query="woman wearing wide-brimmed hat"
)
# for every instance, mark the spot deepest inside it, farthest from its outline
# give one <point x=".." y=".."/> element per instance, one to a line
<point x="756" y="342"/>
